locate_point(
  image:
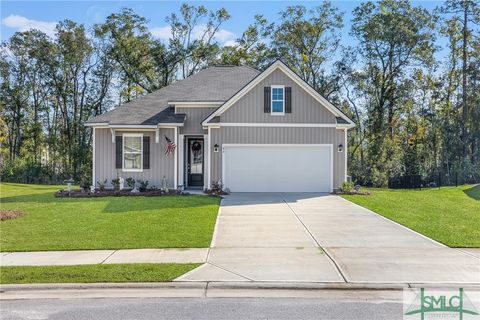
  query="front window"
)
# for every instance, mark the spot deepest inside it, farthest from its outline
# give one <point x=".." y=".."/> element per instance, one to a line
<point x="278" y="100"/>
<point x="132" y="152"/>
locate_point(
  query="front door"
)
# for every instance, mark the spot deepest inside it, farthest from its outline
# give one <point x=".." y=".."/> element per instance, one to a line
<point x="195" y="162"/>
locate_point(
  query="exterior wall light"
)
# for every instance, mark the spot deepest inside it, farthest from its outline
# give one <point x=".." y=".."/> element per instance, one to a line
<point x="215" y="148"/>
<point x="340" y="147"/>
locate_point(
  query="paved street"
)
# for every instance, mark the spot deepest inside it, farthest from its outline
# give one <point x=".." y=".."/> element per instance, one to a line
<point x="307" y="237"/>
<point x="198" y="308"/>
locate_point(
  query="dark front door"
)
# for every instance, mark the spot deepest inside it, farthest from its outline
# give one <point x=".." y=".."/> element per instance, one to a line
<point x="195" y="162"/>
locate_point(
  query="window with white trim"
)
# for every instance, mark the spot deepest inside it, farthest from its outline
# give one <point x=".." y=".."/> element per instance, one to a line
<point x="278" y="100"/>
<point x="132" y="152"/>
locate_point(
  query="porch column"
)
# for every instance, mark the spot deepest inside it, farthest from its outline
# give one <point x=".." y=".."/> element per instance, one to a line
<point x="175" y="161"/>
<point x="181" y="160"/>
<point x="206" y="152"/>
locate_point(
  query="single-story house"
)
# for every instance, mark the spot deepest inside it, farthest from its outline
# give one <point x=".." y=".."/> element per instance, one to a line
<point x="251" y="131"/>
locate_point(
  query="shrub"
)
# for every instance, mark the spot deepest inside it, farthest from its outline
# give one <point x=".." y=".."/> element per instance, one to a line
<point x="143" y="185"/>
<point x="85" y="184"/>
<point x="130" y="182"/>
<point x="217" y="189"/>
<point x="116" y="184"/>
<point x="347" y="187"/>
<point x="28" y="171"/>
<point x="101" y="185"/>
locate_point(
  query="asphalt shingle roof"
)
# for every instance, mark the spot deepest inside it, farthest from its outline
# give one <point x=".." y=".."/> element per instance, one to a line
<point x="217" y="83"/>
<point x="341" y="120"/>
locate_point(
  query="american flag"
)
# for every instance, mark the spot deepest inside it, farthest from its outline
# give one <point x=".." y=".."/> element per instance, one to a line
<point x="170" y="146"/>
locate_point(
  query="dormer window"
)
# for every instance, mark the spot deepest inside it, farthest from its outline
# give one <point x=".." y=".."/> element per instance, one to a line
<point x="278" y="100"/>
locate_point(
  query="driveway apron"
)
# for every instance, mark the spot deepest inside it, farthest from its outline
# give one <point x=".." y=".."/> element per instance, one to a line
<point x="305" y="237"/>
<point x="258" y="238"/>
<point x="370" y="248"/>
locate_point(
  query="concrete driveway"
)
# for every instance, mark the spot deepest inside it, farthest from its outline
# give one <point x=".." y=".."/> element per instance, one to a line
<point x="302" y="237"/>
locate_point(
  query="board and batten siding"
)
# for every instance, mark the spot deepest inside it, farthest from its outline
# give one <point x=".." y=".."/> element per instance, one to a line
<point x="160" y="165"/>
<point x="278" y="135"/>
<point x="195" y="116"/>
<point x="305" y="109"/>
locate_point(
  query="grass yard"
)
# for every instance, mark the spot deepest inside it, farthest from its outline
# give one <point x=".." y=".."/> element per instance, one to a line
<point x="51" y="223"/>
<point x="450" y="215"/>
<point x="95" y="273"/>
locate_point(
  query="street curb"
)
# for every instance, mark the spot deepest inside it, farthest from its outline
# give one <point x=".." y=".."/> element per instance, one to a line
<point x="86" y="286"/>
<point x="233" y="285"/>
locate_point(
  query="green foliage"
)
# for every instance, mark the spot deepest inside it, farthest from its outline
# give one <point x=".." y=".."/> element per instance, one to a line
<point x="447" y="214"/>
<point x="28" y="171"/>
<point x="347" y="187"/>
<point x="52" y="223"/>
<point x="116" y="184"/>
<point x="101" y="185"/>
<point x="307" y="39"/>
<point x="95" y="273"/>
<point x="143" y="185"/>
<point x="250" y="49"/>
<point x="130" y="182"/>
<point x="50" y="86"/>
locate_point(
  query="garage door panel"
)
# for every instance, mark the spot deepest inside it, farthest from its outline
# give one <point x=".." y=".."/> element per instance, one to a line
<point x="277" y="168"/>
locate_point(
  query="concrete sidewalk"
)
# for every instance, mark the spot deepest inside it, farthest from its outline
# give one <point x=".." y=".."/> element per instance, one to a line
<point x="44" y="258"/>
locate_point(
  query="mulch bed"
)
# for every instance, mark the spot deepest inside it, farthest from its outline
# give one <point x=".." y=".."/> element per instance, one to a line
<point x="115" y="193"/>
<point x="10" y="214"/>
<point x="217" y="193"/>
<point x="355" y="193"/>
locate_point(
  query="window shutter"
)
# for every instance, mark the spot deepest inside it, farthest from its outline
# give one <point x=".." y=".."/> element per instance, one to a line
<point x="267" y="98"/>
<point x="288" y="99"/>
<point x="118" y="152"/>
<point x="146" y="152"/>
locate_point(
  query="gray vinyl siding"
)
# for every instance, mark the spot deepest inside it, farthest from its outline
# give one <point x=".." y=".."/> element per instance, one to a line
<point x="277" y="135"/>
<point x="195" y="116"/>
<point x="305" y="109"/>
<point x="160" y="165"/>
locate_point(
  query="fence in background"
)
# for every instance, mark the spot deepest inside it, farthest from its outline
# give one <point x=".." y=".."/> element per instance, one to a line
<point x="416" y="181"/>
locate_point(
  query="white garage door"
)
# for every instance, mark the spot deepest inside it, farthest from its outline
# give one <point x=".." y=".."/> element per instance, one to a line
<point x="277" y="168"/>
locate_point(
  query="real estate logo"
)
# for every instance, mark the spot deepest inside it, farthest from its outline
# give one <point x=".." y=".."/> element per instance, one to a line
<point x="426" y="304"/>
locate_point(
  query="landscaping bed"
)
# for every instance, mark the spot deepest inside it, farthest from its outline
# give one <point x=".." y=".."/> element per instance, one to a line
<point x="115" y="193"/>
<point x="349" y="188"/>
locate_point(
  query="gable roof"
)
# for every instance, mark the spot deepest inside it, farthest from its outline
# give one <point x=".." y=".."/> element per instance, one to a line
<point x="345" y="120"/>
<point x="214" y="84"/>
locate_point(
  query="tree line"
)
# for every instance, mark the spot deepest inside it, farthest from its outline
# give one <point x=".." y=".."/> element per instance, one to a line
<point x="410" y="81"/>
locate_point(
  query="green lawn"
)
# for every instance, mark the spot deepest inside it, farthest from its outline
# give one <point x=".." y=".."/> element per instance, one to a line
<point x="95" y="273"/>
<point x="450" y="215"/>
<point x="104" y="223"/>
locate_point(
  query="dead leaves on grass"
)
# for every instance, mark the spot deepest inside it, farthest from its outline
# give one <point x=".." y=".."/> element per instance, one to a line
<point x="10" y="214"/>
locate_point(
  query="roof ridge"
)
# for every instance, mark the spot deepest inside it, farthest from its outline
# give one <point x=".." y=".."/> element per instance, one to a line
<point x="222" y="65"/>
<point x="250" y="67"/>
<point x="233" y="66"/>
